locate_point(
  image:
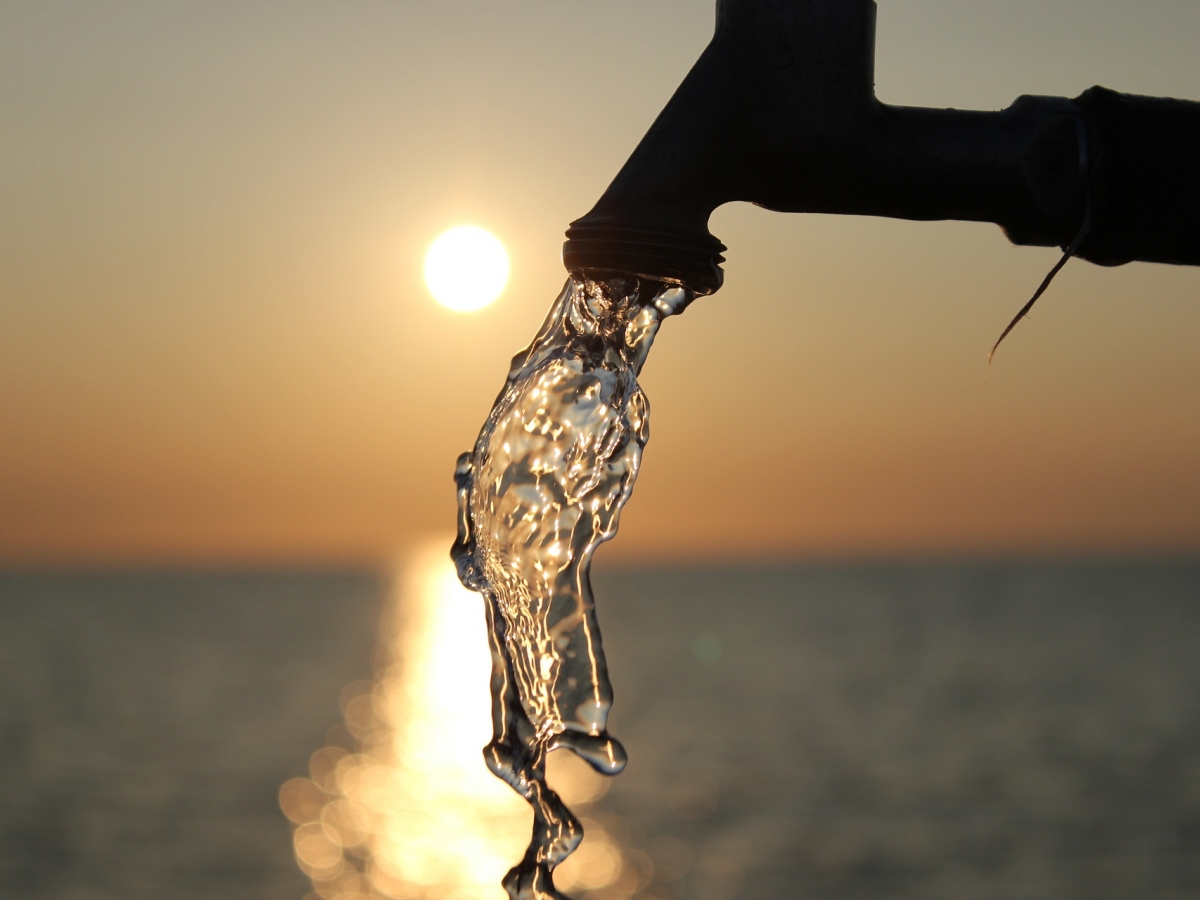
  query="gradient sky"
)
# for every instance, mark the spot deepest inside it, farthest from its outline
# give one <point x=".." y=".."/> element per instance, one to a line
<point x="215" y="343"/>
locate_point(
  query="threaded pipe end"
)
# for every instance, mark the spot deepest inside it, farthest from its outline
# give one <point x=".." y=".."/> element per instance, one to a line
<point x="687" y="258"/>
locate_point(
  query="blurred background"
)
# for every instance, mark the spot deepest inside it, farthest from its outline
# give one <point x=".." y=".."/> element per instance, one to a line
<point x="929" y="634"/>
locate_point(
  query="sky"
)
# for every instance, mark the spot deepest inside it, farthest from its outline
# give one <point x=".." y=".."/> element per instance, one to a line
<point x="216" y="346"/>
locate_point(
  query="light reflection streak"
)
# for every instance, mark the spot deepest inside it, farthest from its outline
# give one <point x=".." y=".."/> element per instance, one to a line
<point x="413" y="813"/>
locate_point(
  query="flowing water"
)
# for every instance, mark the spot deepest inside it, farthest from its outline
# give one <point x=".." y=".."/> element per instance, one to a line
<point x="542" y="489"/>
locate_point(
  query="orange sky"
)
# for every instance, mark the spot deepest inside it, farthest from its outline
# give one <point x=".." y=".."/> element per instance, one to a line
<point x="215" y="345"/>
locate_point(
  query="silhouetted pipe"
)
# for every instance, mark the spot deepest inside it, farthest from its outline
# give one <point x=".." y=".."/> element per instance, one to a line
<point x="780" y="110"/>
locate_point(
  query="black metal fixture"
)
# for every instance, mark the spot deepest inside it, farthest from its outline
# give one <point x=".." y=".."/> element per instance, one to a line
<point x="780" y="110"/>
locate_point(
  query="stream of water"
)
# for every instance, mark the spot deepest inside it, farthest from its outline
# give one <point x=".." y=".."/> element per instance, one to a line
<point x="543" y="488"/>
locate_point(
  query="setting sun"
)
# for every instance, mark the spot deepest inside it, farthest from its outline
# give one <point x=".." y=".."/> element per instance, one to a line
<point x="466" y="268"/>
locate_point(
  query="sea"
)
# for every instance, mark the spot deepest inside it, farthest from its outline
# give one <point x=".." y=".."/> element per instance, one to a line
<point x="1023" y="730"/>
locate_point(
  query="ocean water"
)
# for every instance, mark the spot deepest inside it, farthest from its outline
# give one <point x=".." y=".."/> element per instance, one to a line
<point x="953" y="731"/>
<point x="147" y="720"/>
<point x="1018" y="730"/>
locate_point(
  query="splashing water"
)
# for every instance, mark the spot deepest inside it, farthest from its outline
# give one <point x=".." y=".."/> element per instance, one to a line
<point x="543" y="488"/>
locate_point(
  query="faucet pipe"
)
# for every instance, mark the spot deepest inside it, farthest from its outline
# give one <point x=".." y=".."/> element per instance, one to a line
<point x="780" y="111"/>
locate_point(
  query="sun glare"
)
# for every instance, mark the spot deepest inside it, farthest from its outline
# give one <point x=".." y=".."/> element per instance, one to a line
<point x="466" y="268"/>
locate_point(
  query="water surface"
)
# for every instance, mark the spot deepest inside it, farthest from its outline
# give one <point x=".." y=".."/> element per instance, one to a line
<point x="926" y="731"/>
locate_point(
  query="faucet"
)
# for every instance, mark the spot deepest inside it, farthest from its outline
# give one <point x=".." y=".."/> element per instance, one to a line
<point x="780" y="110"/>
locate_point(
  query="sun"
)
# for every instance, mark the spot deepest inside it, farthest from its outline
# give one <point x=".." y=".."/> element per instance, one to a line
<point x="466" y="268"/>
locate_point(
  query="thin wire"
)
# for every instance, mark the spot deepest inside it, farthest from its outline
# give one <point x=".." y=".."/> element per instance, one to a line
<point x="1071" y="250"/>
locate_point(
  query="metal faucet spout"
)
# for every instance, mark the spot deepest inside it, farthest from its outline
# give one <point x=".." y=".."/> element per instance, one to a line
<point x="780" y="110"/>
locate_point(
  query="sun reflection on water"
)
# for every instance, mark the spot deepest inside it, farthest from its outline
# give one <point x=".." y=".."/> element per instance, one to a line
<point x="408" y="810"/>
